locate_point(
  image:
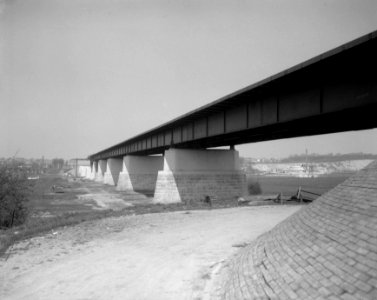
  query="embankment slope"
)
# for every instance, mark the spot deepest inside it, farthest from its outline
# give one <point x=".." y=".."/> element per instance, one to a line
<point x="326" y="250"/>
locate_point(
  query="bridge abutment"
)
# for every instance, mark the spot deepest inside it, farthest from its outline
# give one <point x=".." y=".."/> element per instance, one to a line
<point x="139" y="173"/>
<point x="191" y="175"/>
<point x="113" y="168"/>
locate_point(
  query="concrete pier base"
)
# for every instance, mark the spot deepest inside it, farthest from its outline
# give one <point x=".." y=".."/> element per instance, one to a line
<point x="113" y="168"/>
<point x="139" y="173"/>
<point x="191" y="175"/>
<point x="92" y="174"/>
<point x="84" y="171"/>
<point x="100" y="171"/>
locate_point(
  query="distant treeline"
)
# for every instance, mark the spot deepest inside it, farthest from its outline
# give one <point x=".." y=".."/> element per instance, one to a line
<point x="313" y="157"/>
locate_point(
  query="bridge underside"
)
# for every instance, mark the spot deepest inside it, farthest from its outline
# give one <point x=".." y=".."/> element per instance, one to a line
<point x="358" y="118"/>
<point x="334" y="92"/>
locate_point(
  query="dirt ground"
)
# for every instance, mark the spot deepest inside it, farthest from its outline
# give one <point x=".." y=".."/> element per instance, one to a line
<point x="78" y="196"/>
<point x="153" y="256"/>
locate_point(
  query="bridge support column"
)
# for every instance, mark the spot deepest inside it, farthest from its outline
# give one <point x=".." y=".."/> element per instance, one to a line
<point x="113" y="168"/>
<point x="91" y="175"/>
<point x="139" y="173"/>
<point x="191" y="175"/>
<point x="100" y="171"/>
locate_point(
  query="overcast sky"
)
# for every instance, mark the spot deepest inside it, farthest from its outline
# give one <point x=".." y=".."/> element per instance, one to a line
<point x="77" y="76"/>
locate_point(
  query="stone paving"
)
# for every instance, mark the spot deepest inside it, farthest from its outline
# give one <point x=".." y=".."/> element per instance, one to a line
<point x="327" y="250"/>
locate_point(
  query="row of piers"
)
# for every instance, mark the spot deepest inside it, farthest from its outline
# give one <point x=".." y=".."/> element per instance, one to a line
<point x="180" y="175"/>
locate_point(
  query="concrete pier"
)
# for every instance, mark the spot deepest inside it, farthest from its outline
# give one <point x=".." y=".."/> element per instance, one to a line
<point x="113" y="168"/>
<point x="92" y="173"/>
<point x="100" y="170"/>
<point x="191" y="175"/>
<point x="139" y="173"/>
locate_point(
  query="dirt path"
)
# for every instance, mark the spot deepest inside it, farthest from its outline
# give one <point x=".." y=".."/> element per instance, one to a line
<point x="155" y="256"/>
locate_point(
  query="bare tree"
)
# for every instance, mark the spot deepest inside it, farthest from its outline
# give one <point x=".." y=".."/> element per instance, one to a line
<point x="14" y="188"/>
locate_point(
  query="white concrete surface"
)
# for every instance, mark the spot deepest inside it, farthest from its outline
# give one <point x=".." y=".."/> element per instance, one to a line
<point x="191" y="175"/>
<point x="101" y="170"/>
<point x="84" y="171"/>
<point x="113" y="168"/>
<point x="139" y="173"/>
<point x="93" y="171"/>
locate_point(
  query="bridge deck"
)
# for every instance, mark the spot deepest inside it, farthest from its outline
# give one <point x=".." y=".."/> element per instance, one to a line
<point x="333" y="92"/>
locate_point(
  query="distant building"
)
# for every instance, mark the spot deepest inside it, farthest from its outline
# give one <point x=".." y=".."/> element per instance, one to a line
<point x="79" y="167"/>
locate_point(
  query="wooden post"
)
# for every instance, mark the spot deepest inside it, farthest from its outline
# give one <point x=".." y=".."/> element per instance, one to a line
<point x="299" y="194"/>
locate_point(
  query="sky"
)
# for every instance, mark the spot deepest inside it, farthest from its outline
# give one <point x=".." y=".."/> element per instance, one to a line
<point x="77" y="76"/>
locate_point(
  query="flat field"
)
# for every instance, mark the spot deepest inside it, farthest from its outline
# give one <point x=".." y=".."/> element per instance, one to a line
<point x="288" y="186"/>
<point x="75" y="201"/>
<point x="58" y="201"/>
<point x="55" y="195"/>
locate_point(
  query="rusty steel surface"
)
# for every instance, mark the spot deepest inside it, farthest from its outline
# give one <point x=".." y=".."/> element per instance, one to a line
<point x="333" y="92"/>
